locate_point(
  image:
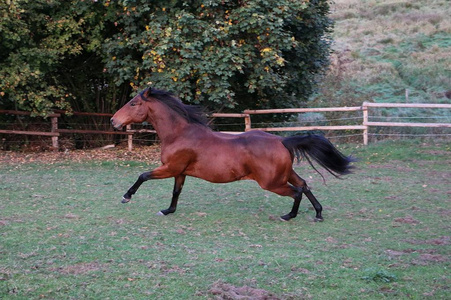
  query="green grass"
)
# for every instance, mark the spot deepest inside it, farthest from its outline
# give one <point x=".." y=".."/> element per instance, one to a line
<point x="65" y="235"/>
<point x="381" y="48"/>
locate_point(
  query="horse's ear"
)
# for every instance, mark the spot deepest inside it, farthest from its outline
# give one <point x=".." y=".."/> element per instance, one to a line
<point x="145" y="94"/>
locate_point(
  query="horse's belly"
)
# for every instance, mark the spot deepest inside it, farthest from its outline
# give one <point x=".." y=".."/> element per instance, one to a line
<point x="218" y="170"/>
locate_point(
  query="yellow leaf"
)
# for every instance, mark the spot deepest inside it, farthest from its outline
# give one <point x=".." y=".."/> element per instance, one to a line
<point x="266" y="50"/>
<point x="280" y="61"/>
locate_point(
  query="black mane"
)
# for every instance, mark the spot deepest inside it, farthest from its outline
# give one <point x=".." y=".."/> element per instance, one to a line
<point x="191" y="113"/>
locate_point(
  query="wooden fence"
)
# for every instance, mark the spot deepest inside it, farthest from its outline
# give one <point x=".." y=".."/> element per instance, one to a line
<point x="55" y="132"/>
<point x="365" y="125"/>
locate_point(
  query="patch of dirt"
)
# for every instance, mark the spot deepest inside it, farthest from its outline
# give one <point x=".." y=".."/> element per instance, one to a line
<point x="407" y="220"/>
<point x="393" y="165"/>
<point x="331" y="240"/>
<point x="71" y="216"/>
<point x="445" y="212"/>
<point x="444" y="240"/>
<point x="300" y="270"/>
<point x="81" y="268"/>
<point x="150" y="154"/>
<point x="436" y="152"/>
<point x="224" y="291"/>
<point x="394" y="253"/>
<point x="427" y="258"/>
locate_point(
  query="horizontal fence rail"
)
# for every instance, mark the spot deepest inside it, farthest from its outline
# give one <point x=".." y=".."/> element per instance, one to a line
<point x="301" y="110"/>
<point x="56" y="132"/>
<point x="365" y="124"/>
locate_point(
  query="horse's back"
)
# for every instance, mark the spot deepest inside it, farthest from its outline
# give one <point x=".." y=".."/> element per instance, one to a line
<point x="247" y="134"/>
<point x="227" y="157"/>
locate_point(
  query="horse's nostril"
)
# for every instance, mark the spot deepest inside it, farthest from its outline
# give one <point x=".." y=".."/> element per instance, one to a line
<point x="114" y="124"/>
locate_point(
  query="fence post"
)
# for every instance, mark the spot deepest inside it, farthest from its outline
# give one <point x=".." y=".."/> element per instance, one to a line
<point x="54" y="128"/>
<point x="247" y="122"/>
<point x="365" y="123"/>
<point x="129" y="137"/>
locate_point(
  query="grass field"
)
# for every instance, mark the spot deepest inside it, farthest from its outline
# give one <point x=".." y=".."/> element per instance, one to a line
<point x="65" y="235"/>
<point x="383" y="47"/>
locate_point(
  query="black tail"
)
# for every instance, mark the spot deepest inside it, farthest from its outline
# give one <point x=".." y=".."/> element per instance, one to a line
<point x="322" y="151"/>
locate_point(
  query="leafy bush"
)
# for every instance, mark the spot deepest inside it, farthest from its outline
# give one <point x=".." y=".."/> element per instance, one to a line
<point x="379" y="275"/>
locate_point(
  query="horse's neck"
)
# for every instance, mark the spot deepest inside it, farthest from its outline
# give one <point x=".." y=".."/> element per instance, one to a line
<point x="168" y="125"/>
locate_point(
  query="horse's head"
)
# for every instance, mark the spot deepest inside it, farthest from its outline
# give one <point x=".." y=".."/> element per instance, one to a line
<point x="135" y="111"/>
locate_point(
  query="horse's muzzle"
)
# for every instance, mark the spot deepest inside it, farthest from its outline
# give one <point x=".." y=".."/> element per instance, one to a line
<point x="115" y="124"/>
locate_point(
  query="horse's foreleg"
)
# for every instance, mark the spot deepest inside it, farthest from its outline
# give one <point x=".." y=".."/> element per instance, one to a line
<point x="297" y="181"/>
<point x="132" y="190"/>
<point x="158" y="173"/>
<point x="178" y="185"/>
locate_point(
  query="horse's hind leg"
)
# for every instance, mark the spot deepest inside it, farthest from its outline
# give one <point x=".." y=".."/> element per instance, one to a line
<point x="291" y="191"/>
<point x="294" y="210"/>
<point x="315" y="203"/>
<point x="297" y="181"/>
<point x="178" y="185"/>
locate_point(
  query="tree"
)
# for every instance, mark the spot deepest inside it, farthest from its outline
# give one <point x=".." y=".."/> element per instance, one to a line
<point x="225" y="54"/>
<point x="51" y="55"/>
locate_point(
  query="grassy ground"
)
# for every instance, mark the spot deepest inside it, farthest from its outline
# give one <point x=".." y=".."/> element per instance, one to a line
<point x="65" y="235"/>
<point x="384" y="47"/>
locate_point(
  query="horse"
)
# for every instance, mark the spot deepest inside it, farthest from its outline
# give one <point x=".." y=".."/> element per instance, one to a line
<point x="189" y="147"/>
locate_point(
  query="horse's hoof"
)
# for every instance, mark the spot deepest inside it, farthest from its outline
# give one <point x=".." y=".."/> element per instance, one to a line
<point x="318" y="220"/>
<point x="160" y="213"/>
<point x="125" y="200"/>
<point x="285" y="218"/>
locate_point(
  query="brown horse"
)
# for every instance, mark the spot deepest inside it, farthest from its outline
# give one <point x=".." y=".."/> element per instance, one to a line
<point x="190" y="148"/>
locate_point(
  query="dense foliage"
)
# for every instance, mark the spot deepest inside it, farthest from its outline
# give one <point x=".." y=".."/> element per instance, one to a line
<point x="51" y="55"/>
<point x="223" y="53"/>
<point x="90" y="55"/>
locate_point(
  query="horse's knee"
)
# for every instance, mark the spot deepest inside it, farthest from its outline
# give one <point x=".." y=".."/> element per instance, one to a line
<point x="144" y="176"/>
